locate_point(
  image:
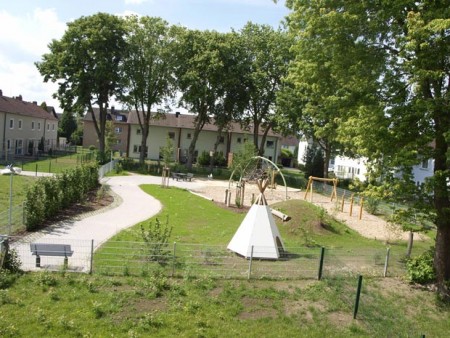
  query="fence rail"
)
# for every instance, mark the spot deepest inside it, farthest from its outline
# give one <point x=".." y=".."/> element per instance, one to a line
<point x="17" y="212"/>
<point x="183" y="259"/>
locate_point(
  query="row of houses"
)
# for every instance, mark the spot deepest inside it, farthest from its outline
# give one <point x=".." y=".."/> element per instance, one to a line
<point x="25" y="128"/>
<point x="356" y="168"/>
<point x="180" y="129"/>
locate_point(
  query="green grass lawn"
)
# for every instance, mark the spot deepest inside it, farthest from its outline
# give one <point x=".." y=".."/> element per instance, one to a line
<point x="19" y="186"/>
<point x="153" y="305"/>
<point x="61" y="304"/>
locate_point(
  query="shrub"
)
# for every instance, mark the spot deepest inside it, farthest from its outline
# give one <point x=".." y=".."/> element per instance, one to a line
<point x="156" y="237"/>
<point x="46" y="197"/>
<point x="420" y="269"/>
<point x="12" y="261"/>
<point x="371" y="205"/>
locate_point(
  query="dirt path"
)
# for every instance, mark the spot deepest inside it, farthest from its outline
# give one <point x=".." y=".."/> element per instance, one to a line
<point x="369" y="226"/>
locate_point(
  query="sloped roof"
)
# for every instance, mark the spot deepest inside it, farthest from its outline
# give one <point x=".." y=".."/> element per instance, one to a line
<point x="18" y="106"/>
<point x="187" y="121"/>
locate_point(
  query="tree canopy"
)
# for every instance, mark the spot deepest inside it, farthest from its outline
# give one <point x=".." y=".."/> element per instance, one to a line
<point x="85" y="63"/>
<point x="388" y="64"/>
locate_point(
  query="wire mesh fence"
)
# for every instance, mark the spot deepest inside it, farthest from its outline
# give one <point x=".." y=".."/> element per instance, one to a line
<point x="183" y="259"/>
<point x="12" y="220"/>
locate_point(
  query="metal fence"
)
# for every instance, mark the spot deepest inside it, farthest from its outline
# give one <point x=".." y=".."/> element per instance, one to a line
<point x="14" y="221"/>
<point x="183" y="259"/>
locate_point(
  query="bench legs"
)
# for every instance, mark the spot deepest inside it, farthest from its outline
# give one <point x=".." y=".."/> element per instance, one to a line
<point x="38" y="261"/>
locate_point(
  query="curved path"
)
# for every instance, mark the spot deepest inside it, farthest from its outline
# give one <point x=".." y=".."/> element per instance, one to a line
<point x="87" y="233"/>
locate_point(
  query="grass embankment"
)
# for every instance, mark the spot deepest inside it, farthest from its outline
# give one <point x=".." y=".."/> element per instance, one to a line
<point x="68" y="305"/>
<point x="76" y="305"/>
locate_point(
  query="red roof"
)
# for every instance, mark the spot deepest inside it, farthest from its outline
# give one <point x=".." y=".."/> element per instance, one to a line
<point x="18" y="106"/>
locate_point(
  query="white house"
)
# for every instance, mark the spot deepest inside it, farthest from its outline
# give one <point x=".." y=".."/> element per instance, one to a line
<point x="180" y="129"/>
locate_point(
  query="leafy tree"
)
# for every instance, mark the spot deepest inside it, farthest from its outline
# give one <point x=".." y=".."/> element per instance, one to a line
<point x="243" y="159"/>
<point x="110" y="137"/>
<point x="85" y="63"/>
<point x="199" y="73"/>
<point x="167" y="152"/>
<point x="266" y="58"/>
<point x="390" y="63"/>
<point x="313" y="161"/>
<point x="67" y="125"/>
<point x="148" y="68"/>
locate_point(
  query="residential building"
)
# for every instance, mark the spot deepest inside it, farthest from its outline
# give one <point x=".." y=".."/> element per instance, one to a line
<point x="180" y="129"/>
<point x="25" y="128"/>
<point x="121" y="129"/>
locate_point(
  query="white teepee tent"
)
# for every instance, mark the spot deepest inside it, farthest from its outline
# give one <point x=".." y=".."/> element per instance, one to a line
<point x="258" y="231"/>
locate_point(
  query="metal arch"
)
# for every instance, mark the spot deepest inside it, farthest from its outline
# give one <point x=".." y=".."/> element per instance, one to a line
<point x="264" y="159"/>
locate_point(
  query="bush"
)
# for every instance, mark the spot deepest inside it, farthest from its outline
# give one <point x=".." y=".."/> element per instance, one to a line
<point x="156" y="237"/>
<point x="46" y="197"/>
<point x="371" y="205"/>
<point x="420" y="269"/>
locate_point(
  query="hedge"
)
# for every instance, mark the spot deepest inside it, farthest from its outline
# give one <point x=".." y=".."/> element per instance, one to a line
<point x="49" y="195"/>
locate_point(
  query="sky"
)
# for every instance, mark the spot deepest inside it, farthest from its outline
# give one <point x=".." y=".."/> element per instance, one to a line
<point x="28" y="26"/>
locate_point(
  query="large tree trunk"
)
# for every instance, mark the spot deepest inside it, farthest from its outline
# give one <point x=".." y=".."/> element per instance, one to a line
<point x="191" y="149"/>
<point x="442" y="206"/>
<point x="143" y="153"/>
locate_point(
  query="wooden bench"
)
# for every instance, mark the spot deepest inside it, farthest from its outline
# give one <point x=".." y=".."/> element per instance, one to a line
<point x="44" y="249"/>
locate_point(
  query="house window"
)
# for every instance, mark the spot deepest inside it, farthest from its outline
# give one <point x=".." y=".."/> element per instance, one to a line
<point x="53" y="126"/>
<point x="20" y="124"/>
<point x="135" y="149"/>
<point x="8" y="144"/>
<point x="269" y="144"/>
<point x="221" y="139"/>
<point x="19" y="147"/>
<point x="188" y="136"/>
<point x="138" y="132"/>
<point x="119" y="141"/>
<point x="171" y="135"/>
<point x="424" y="164"/>
<point x="48" y="126"/>
<point x="39" y="125"/>
<point x="11" y="123"/>
<point x="238" y="140"/>
<point x="32" y="125"/>
<point x="119" y="130"/>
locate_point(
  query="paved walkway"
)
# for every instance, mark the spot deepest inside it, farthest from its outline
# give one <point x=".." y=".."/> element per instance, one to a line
<point x="86" y="233"/>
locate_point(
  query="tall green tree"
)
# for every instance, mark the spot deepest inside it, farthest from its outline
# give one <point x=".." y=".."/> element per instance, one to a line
<point x="67" y="125"/>
<point x="391" y="63"/>
<point x="148" y="68"/>
<point x="199" y="74"/>
<point x="85" y="63"/>
<point x="267" y="57"/>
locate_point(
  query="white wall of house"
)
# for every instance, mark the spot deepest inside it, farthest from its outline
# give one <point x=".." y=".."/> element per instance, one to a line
<point x="18" y="131"/>
<point x="183" y="137"/>
<point x="422" y="171"/>
<point x="302" y="148"/>
<point x="347" y="168"/>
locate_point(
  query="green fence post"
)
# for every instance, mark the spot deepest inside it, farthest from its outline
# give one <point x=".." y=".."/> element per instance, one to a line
<point x="174" y="258"/>
<point x="91" y="267"/>
<point x="36" y="168"/>
<point x="358" y="293"/>
<point x="250" y="264"/>
<point x="50" y="167"/>
<point x="322" y="255"/>
<point x="386" y="262"/>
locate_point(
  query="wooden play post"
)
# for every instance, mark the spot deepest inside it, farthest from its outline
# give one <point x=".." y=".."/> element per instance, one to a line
<point x="310" y="186"/>
<point x="351" y="204"/>
<point x="342" y="203"/>
<point x="361" y="204"/>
